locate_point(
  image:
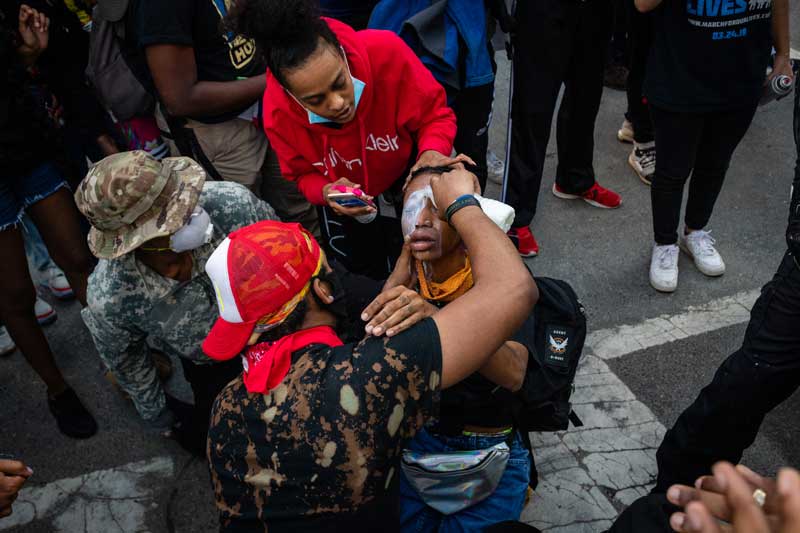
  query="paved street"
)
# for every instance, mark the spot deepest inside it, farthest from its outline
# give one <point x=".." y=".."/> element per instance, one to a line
<point x="647" y="356"/>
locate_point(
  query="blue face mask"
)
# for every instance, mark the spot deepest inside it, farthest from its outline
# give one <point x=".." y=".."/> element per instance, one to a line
<point x="358" y="89"/>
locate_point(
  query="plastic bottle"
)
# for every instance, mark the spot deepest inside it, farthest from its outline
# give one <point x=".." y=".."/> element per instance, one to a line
<point x="776" y="89"/>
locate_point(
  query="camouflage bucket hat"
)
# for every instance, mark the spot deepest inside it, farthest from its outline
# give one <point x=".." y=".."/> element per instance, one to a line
<point x="131" y="197"/>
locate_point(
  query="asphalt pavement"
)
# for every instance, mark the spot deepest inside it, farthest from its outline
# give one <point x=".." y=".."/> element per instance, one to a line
<point x="125" y="479"/>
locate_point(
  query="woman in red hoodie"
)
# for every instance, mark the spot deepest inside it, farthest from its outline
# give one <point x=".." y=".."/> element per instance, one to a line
<point x="346" y="108"/>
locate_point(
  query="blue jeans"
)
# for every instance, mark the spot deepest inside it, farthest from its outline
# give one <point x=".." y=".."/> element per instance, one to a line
<point x="35" y="249"/>
<point x="505" y="503"/>
<point x="18" y="192"/>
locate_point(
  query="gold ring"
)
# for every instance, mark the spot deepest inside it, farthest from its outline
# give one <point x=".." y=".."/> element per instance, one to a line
<point x="760" y="497"/>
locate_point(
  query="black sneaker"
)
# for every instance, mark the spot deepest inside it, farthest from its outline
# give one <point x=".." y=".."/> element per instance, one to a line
<point x="71" y="416"/>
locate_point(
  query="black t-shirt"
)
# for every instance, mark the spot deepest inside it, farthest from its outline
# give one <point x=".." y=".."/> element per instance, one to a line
<point x="220" y="56"/>
<point x="479" y="402"/>
<point x="708" y="55"/>
<point x="321" y="451"/>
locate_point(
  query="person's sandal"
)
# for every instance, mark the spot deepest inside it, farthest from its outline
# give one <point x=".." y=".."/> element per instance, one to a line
<point x="71" y="416"/>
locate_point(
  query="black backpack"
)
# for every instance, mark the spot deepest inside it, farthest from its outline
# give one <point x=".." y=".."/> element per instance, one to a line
<point x="542" y="403"/>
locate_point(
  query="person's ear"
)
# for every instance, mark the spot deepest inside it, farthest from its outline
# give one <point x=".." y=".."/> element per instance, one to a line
<point x="322" y="290"/>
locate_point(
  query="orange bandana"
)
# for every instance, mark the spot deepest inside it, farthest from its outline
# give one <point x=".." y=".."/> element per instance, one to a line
<point x="450" y="289"/>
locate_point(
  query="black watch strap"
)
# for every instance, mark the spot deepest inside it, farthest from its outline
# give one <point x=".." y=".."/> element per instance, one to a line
<point x="460" y="203"/>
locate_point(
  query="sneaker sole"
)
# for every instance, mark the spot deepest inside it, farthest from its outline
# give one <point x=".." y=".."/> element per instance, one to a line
<point x="49" y="318"/>
<point x="624" y="137"/>
<point x="7" y="350"/>
<point x="662" y="288"/>
<point x="642" y="177"/>
<point x="529" y="254"/>
<point x="565" y="196"/>
<point x="65" y="294"/>
<point x="709" y="273"/>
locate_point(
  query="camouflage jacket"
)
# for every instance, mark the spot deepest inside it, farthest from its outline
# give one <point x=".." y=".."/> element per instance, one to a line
<point x="128" y="302"/>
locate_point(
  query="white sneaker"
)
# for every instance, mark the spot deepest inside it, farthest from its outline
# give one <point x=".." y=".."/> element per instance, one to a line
<point x="45" y="314"/>
<point x="643" y="160"/>
<point x="496" y="167"/>
<point x="55" y="280"/>
<point x="664" y="268"/>
<point x="699" y="245"/>
<point x="6" y="344"/>
<point x="625" y="133"/>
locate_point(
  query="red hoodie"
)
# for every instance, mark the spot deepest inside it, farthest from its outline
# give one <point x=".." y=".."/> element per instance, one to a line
<point x="402" y="106"/>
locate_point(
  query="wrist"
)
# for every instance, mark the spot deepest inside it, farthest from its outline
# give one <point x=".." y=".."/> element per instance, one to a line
<point x="460" y="205"/>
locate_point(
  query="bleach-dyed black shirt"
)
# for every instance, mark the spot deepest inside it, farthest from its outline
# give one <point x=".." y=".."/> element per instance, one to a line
<point x="321" y="451"/>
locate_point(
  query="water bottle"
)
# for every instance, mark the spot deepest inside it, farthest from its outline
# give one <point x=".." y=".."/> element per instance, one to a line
<point x="776" y="89"/>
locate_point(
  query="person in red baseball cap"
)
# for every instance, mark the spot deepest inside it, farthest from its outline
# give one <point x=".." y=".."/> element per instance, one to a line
<point x="310" y="436"/>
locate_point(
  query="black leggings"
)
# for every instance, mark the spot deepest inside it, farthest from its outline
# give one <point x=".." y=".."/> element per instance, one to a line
<point x="700" y="144"/>
<point x="640" y="39"/>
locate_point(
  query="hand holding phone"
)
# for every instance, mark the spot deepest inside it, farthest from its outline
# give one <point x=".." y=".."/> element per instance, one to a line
<point x="347" y="198"/>
<point x="351" y="198"/>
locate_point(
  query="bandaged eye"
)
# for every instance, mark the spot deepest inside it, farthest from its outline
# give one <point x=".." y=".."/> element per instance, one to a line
<point x="414" y="204"/>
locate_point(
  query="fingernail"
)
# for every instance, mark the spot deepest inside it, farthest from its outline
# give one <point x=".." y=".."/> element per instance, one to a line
<point x="377" y="330"/>
<point x="677" y="520"/>
<point x="693" y="522"/>
<point x="722" y="480"/>
<point x="30" y="470"/>
<point x="364" y="316"/>
<point x="368" y="329"/>
<point x="674" y="494"/>
<point x="787" y="484"/>
<point x="389" y="332"/>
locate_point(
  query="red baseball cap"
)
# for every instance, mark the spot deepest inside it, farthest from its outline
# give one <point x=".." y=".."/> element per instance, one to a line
<point x="260" y="273"/>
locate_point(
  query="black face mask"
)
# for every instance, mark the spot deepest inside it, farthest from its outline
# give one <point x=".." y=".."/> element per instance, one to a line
<point x="339" y="305"/>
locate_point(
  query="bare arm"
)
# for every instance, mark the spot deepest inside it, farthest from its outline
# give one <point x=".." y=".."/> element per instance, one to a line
<point x="474" y="326"/>
<point x="174" y="72"/>
<point x="782" y="65"/>
<point x="507" y="366"/>
<point x="780" y="27"/>
<point x="647" y="5"/>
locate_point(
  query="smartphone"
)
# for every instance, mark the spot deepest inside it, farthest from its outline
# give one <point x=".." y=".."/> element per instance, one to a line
<point x="348" y="199"/>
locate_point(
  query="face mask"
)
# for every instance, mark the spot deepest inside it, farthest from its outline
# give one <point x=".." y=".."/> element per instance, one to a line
<point x="358" y="88"/>
<point x="413" y="206"/>
<point x="197" y="232"/>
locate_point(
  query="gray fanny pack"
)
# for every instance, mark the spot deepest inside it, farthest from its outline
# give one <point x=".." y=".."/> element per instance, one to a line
<point x="452" y="481"/>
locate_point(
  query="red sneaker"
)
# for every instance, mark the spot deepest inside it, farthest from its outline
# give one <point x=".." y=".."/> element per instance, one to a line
<point x="597" y="196"/>
<point x="524" y="241"/>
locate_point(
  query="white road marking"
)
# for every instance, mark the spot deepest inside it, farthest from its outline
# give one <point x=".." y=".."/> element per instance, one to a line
<point x="622" y="340"/>
<point x="112" y="501"/>
<point x="588" y="474"/>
